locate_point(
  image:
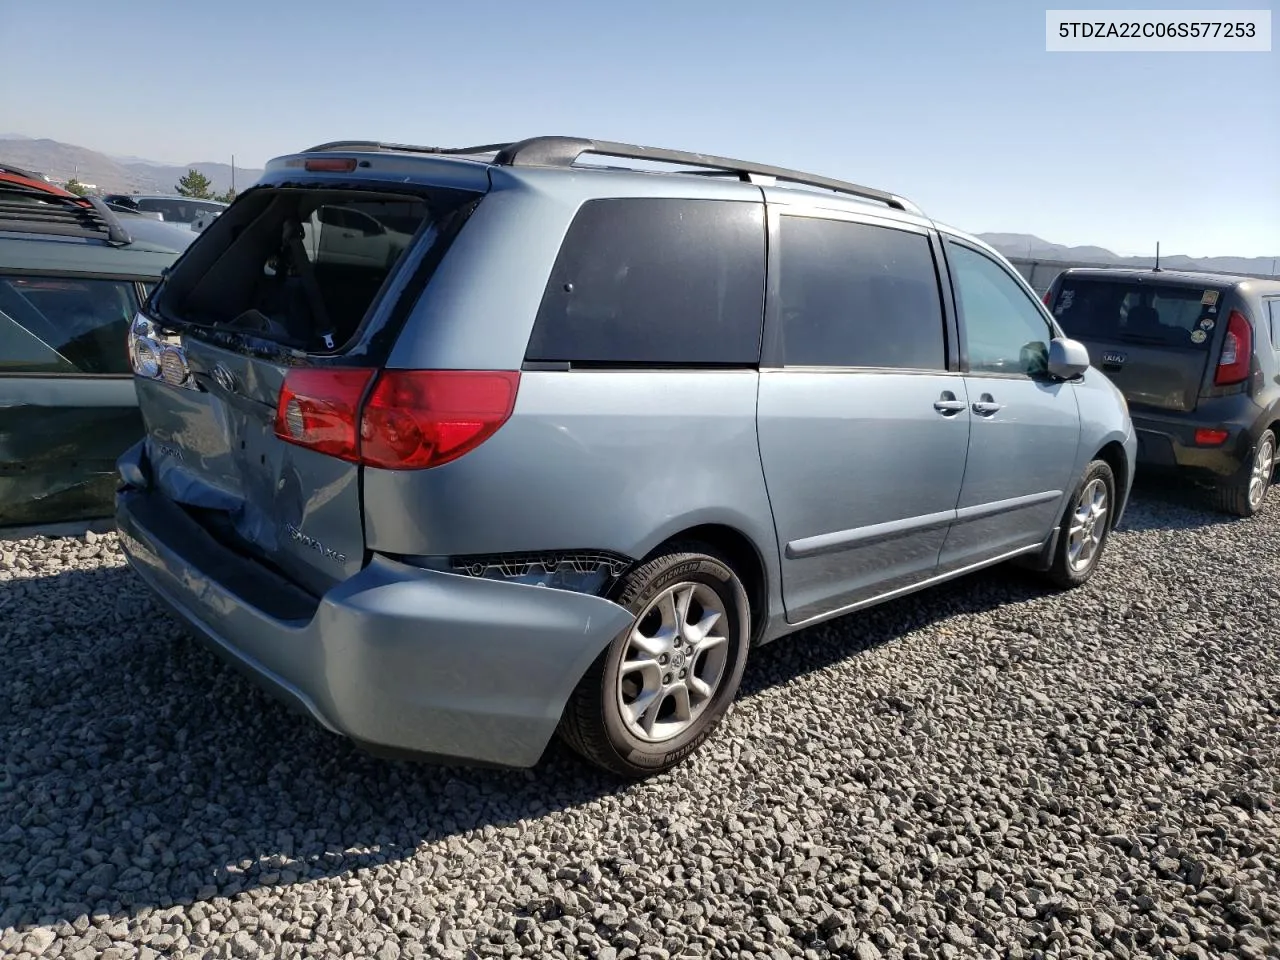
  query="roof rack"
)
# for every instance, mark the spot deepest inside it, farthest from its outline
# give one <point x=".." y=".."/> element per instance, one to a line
<point x="380" y="147"/>
<point x="60" y="216"/>
<point x="566" y="151"/>
<point x="6" y="167"/>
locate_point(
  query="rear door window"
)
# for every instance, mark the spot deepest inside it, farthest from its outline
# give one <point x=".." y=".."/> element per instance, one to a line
<point x="1125" y="311"/>
<point x="1274" y="308"/>
<point x="656" y="282"/>
<point x="858" y="295"/>
<point x="65" y="325"/>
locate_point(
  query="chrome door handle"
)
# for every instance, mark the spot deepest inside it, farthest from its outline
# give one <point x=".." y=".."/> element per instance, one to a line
<point x="985" y="405"/>
<point x="947" y="404"/>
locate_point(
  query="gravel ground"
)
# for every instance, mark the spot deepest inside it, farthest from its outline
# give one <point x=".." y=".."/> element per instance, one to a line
<point x="984" y="770"/>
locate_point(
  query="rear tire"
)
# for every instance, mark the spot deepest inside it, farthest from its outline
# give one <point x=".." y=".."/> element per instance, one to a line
<point x="1085" y="528"/>
<point x="1245" y="494"/>
<point x="661" y="687"/>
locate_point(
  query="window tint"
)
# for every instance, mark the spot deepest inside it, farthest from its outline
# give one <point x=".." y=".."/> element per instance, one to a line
<point x="1127" y="311"/>
<point x="656" y="281"/>
<point x="1005" y="332"/>
<point x="59" y="325"/>
<point x="854" y="295"/>
<point x="1274" y="306"/>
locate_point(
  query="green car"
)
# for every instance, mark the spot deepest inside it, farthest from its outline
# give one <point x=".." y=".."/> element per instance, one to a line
<point x="72" y="275"/>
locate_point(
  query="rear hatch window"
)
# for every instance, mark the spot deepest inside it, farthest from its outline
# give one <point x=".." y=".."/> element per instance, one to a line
<point x="1138" y="312"/>
<point x="298" y="267"/>
<point x="1153" y="339"/>
<point x="285" y="278"/>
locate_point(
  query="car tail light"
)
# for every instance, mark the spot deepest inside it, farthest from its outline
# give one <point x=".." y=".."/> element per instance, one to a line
<point x="1048" y="296"/>
<point x="1206" y="437"/>
<point x="412" y="419"/>
<point x="331" y="164"/>
<point x="319" y="409"/>
<point x="1237" y="351"/>
<point x="423" y="418"/>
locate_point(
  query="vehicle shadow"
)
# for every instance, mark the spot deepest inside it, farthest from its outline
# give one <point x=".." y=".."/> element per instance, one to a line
<point x="140" y="771"/>
<point x="1168" y="502"/>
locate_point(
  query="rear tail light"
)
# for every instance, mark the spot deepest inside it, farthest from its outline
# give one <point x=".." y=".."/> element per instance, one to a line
<point x="1237" y="351"/>
<point x="1206" y="437"/>
<point x="319" y="409"/>
<point x="423" y="418"/>
<point x="412" y="419"/>
<point x="330" y="164"/>
<point x="1048" y="297"/>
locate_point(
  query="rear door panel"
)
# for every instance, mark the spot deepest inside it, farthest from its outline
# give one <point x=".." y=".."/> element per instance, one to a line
<point x="59" y="441"/>
<point x="67" y="404"/>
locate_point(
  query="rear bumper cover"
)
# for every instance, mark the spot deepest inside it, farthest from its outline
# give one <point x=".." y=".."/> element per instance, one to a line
<point x="397" y="658"/>
<point x="1168" y="440"/>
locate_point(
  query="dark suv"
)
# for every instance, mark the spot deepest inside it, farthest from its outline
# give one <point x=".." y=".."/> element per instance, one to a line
<point x="1198" y="358"/>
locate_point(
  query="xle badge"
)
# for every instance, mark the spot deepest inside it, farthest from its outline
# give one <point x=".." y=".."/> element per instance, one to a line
<point x="297" y="536"/>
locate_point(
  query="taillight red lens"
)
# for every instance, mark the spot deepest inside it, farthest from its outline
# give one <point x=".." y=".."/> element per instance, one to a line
<point x="318" y="409"/>
<point x="1237" y="351"/>
<point x="1206" y="437"/>
<point x="423" y="418"/>
<point x="1048" y="295"/>
<point x="330" y="164"/>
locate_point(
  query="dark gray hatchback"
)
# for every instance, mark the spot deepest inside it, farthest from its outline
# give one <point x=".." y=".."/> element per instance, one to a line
<point x="1197" y="356"/>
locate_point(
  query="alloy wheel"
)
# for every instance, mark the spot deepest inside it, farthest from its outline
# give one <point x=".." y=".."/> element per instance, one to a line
<point x="1088" y="526"/>
<point x="675" y="659"/>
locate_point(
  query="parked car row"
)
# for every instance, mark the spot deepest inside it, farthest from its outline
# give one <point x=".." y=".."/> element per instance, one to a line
<point x="457" y="449"/>
<point x="186" y="210"/>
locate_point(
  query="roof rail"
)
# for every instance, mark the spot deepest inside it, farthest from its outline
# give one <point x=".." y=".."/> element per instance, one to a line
<point x="566" y="151"/>
<point x="61" y="216"/>
<point x="377" y="146"/>
<point x="6" y="167"/>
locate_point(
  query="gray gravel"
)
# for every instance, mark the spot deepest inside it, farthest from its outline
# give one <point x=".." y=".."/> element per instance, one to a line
<point x="987" y="770"/>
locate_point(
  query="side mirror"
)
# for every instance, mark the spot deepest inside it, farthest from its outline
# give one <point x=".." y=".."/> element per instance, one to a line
<point x="1068" y="359"/>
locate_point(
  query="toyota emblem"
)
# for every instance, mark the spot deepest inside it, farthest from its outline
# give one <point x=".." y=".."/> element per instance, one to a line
<point x="224" y="378"/>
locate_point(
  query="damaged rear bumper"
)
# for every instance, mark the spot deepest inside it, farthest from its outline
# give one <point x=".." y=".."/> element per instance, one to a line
<point x="397" y="658"/>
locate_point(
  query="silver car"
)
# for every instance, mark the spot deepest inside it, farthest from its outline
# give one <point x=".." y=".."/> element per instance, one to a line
<point x="560" y="461"/>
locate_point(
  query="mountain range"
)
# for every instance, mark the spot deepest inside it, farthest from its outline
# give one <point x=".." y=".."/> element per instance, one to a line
<point x="1026" y="246"/>
<point x="114" y="174"/>
<point x="62" y="161"/>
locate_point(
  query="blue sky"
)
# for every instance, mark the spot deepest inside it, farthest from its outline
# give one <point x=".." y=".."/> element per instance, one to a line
<point x="955" y="105"/>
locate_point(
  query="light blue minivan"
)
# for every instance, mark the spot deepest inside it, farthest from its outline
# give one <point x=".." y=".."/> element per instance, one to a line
<point x="458" y="448"/>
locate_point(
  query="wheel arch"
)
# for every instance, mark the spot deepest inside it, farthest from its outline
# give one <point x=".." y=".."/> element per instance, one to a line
<point x="1113" y="455"/>
<point x="743" y="556"/>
